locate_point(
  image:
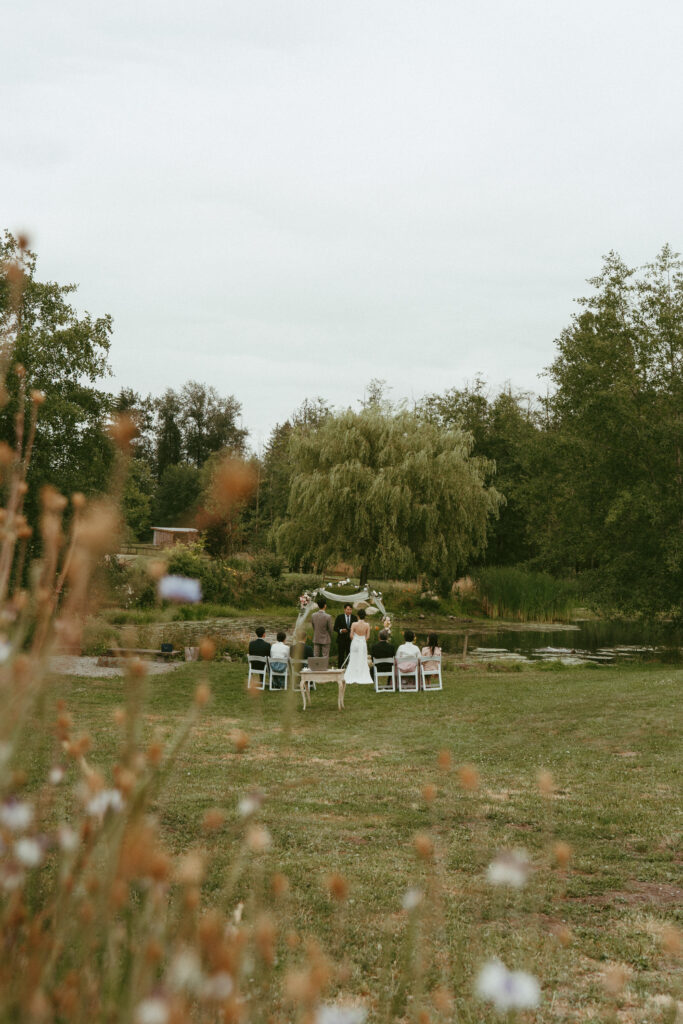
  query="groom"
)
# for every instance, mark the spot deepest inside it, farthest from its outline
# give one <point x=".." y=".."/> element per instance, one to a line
<point x="342" y="627"/>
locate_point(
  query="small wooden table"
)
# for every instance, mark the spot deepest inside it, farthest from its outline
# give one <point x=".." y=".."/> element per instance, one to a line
<point x="327" y="675"/>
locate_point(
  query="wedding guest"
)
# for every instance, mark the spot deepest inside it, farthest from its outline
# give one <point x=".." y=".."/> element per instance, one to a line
<point x="383" y="648"/>
<point x="279" y="656"/>
<point x="431" y="649"/>
<point x="408" y="651"/>
<point x="260" y="647"/>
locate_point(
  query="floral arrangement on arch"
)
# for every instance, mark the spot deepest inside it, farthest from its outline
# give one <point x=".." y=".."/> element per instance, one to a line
<point x="304" y="601"/>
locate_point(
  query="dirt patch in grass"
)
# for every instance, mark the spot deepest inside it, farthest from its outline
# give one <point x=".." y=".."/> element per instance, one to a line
<point x="640" y="893"/>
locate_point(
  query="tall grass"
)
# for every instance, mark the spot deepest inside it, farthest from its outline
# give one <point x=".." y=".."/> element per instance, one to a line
<point x="516" y="593"/>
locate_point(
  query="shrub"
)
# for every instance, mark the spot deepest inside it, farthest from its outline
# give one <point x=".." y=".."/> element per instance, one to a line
<point x="518" y="593"/>
<point x="267" y="563"/>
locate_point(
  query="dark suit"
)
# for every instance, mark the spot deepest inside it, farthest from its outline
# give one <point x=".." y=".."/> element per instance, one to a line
<point x="259" y="647"/>
<point x="382" y="649"/>
<point x="343" y="639"/>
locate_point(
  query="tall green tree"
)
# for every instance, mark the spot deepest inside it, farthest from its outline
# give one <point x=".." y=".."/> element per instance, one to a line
<point x="209" y="422"/>
<point x="65" y="355"/>
<point x="168" y="438"/>
<point x="389" y="491"/>
<point x="607" y="476"/>
<point x="177" y="496"/>
<point x="277" y="468"/>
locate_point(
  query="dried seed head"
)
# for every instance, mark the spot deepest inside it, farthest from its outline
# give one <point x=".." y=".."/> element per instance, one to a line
<point x="424" y="847"/>
<point x="7" y="454"/>
<point x="155" y="753"/>
<point x="258" y="839"/>
<point x="98" y="529"/>
<point x="672" y="939"/>
<point x="37" y="397"/>
<point x="442" y="998"/>
<point x="137" y="668"/>
<point x="156" y="569"/>
<point x="122" y="430"/>
<point x="468" y="777"/>
<point x="239" y="739"/>
<point x="190" y="869"/>
<point x="233" y="481"/>
<point x="279" y="885"/>
<point x="563" y="934"/>
<point x="23" y="241"/>
<point x="202" y="695"/>
<point x="614" y="979"/>
<point x="429" y="793"/>
<point x="52" y="500"/>
<point x="213" y="819"/>
<point x="78" y="500"/>
<point x="423" y="1017"/>
<point x="444" y="760"/>
<point x="19" y="369"/>
<point x="207" y="649"/>
<point x="563" y="853"/>
<point x="120" y="716"/>
<point x="265" y="934"/>
<point x="546" y="783"/>
<point x="337" y="886"/>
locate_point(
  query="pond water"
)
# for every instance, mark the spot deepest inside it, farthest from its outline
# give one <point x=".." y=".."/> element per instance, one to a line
<point x="601" y="642"/>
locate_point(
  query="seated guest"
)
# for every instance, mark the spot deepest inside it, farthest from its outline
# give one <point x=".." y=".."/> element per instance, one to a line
<point x="260" y="647"/>
<point x="408" y="651"/>
<point x="279" y="656"/>
<point x="383" y="648"/>
<point x="432" y="649"/>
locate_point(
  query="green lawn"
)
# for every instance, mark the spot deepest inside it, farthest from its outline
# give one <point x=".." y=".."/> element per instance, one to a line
<point x="344" y="793"/>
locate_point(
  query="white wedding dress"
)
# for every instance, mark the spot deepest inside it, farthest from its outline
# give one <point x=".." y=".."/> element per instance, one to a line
<point x="357" y="670"/>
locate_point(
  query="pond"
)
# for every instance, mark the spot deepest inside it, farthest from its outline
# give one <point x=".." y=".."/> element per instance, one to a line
<point x="598" y="641"/>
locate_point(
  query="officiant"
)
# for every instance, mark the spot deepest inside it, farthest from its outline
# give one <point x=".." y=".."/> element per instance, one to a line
<point x="342" y="627"/>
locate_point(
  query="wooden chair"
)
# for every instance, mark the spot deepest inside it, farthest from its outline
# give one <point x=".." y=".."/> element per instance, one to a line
<point x="384" y="668"/>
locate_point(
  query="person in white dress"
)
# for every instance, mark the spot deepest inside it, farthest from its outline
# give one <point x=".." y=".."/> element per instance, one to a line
<point x="357" y="670"/>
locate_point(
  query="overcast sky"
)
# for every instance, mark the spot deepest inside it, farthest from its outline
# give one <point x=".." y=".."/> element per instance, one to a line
<point x="285" y="198"/>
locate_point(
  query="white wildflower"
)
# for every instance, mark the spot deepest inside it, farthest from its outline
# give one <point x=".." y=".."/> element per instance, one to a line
<point x="28" y="852"/>
<point x="67" y="839"/>
<point x="16" y="816"/>
<point x="5" y="651"/>
<point x="11" y="879"/>
<point x="340" y="1015"/>
<point x="181" y="589"/>
<point x="412" y="898"/>
<point x="152" y="1011"/>
<point x="107" y="799"/>
<point x="217" y="987"/>
<point x="511" y="867"/>
<point x="507" y="990"/>
<point x="56" y="775"/>
<point x="248" y="805"/>
<point x="185" y="972"/>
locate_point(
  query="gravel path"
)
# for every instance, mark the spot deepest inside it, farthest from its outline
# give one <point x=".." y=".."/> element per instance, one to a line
<point x="75" y="665"/>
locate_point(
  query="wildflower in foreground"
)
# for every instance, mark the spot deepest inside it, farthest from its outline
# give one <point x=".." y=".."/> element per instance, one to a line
<point x="249" y="805"/>
<point x="28" y="852"/>
<point x="152" y="1011"/>
<point x="181" y="589"/>
<point x="412" y="898"/>
<point x="511" y="867"/>
<point x="507" y="990"/>
<point x="340" y="1015"/>
<point x="107" y="799"/>
<point x="17" y="817"/>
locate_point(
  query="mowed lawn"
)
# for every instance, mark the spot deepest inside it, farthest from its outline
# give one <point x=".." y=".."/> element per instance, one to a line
<point x="345" y="792"/>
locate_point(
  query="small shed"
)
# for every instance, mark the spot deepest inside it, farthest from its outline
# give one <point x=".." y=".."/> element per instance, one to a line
<point x="168" y="536"/>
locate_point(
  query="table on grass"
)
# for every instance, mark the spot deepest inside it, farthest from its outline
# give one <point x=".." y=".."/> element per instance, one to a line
<point x="326" y="675"/>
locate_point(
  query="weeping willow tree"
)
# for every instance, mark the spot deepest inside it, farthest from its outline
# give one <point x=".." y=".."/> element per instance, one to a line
<point x="389" y="491"/>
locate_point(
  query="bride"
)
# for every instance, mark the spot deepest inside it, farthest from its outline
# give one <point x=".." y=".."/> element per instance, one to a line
<point x="357" y="670"/>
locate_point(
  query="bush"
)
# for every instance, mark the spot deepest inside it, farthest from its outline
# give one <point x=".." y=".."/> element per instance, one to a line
<point x="98" y="637"/>
<point x="266" y="563"/>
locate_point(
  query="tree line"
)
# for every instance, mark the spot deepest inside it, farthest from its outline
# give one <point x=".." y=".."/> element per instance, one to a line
<point x="585" y="481"/>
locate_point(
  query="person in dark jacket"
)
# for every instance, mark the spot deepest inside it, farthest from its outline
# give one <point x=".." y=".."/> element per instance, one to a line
<point x="259" y="647"/>
<point x="383" y="648"/>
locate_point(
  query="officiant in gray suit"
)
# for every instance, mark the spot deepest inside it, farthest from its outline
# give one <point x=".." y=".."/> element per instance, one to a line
<point x="322" y="630"/>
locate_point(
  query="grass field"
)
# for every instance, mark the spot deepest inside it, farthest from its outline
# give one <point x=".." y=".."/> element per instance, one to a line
<point x="346" y="793"/>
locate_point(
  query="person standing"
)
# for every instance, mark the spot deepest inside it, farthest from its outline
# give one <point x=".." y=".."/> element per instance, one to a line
<point x="342" y="627"/>
<point x="322" y="630"/>
<point x="357" y="670"/>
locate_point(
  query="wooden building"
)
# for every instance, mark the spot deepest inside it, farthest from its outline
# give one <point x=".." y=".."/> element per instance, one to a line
<point x="168" y="536"/>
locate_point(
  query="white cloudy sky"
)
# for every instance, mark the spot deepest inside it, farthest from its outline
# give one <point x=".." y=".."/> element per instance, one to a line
<point x="288" y="197"/>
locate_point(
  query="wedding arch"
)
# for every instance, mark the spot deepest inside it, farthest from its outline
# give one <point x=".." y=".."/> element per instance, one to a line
<point x="307" y="603"/>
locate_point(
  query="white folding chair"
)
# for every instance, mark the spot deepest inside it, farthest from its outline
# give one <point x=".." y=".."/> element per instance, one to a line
<point x="278" y="670"/>
<point x="431" y="679"/>
<point x="384" y="668"/>
<point x="258" y="668"/>
<point x="408" y="672"/>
